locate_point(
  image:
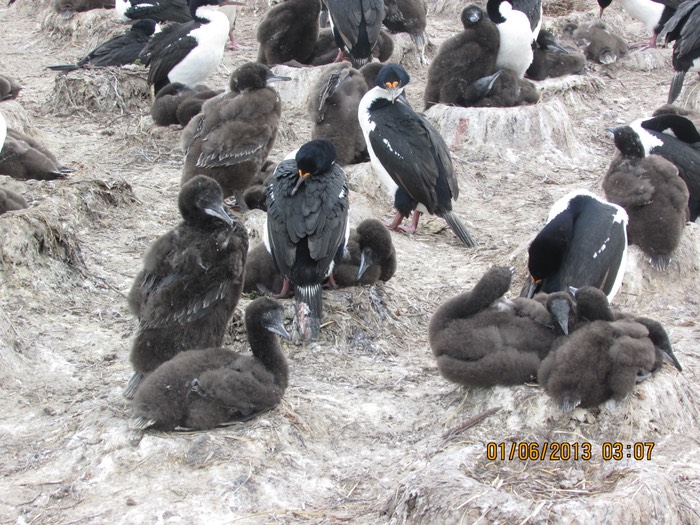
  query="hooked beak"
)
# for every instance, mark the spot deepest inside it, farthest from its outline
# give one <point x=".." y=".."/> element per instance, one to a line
<point x="367" y="258"/>
<point x="561" y="309"/>
<point x="219" y="212"/>
<point x="277" y="327"/>
<point x="277" y="78"/>
<point x="394" y="90"/>
<point x="302" y="177"/>
<point x="533" y="287"/>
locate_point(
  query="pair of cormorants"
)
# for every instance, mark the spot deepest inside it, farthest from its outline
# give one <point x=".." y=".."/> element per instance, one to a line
<point x="369" y="256"/>
<point x="652" y="193"/>
<point x="481" y="339"/>
<point x="605" y="356"/>
<point x="190" y="283"/>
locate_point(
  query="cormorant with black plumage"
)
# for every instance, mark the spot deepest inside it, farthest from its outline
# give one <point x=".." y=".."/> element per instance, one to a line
<point x="481" y="339"/>
<point x="230" y="139"/>
<point x="202" y="389"/>
<point x="356" y="26"/>
<point x="465" y="67"/>
<point x="683" y="29"/>
<point x="159" y="10"/>
<point x="584" y="243"/>
<point x="190" y="282"/>
<point x="652" y="193"/>
<point x="408" y="154"/>
<point x="333" y="111"/>
<point x="188" y="52"/>
<point x="306" y="229"/>
<point x="515" y="48"/>
<point x="118" y="51"/>
<point x="289" y="32"/>
<point x="676" y="139"/>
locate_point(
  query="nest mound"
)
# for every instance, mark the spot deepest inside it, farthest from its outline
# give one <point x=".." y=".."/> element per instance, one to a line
<point x="506" y="132"/>
<point x="87" y="29"/>
<point x="690" y="96"/>
<point x="101" y="90"/>
<point x="17" y="117"/>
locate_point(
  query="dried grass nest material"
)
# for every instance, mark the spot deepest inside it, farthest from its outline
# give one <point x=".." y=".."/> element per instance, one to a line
<point x="86" y="30"/>
<point x="109" y="89"/>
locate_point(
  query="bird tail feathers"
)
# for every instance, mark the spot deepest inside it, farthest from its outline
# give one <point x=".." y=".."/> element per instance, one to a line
<point x="676" y="86"/>
<point x="309" y="309"/>
<point x="460" y="231"/>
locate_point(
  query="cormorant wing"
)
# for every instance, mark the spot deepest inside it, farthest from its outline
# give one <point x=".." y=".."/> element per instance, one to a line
<point x="245" y="387"/>
<point x="232" y="142"/>
<point x="165" y="50"/>
<point x="414" y="154"/>
<point x="611" y="240"/>
<point x="122" y="49"/>
<point x="163" y="281"/>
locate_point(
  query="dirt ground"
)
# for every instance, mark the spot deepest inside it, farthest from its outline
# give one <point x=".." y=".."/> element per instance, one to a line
<point x="366" y="431"/>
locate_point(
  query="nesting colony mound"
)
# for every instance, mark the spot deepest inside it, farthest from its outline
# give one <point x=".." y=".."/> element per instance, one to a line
<point x="86" y="30"/>
<point x="101" y="90"/>
<point x="506" y="132"/>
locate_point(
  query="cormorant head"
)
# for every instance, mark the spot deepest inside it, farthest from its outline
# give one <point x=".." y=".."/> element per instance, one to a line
<point x="253" y="75"/>
<point x="471" y="15"/>
<point x="201" y="198"/>
<point x="313" y="158"/>
<point x="394" y="79"/>
<point x="627" y="141"/>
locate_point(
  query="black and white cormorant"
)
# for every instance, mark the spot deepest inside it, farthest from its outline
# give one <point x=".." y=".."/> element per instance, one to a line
<point x="515" y="48"/>
<point x="307" y="227"/>
<point x="190" y="283"/>
<point x="118" y="51"/>
<point x="584" y="243"/>
<point x="158" y="10"/>
<point x="652" y="193"/>
<point x="356" y="26"/>
<point x="189" y="52"/>
<point x="408" y="154"/>
<point x="683" y="29"/>
<point x="230" y="139"/>
<point x="462" y="71"/>
<point x="533" y="12"/>
<point x="289" y="32"/>
<point x="202" y="389"/>
<point x="652" y="13"/>
<point x="675" y="138"/>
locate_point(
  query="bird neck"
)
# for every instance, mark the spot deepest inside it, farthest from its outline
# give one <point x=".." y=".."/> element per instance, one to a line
<point x="267" y="349"/>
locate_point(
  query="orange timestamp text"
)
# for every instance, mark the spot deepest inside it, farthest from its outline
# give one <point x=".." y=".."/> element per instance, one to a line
<point x="564" y="451"/>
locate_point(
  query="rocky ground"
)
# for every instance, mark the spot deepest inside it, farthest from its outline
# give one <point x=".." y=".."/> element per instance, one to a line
<point x="368" y="432"/>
